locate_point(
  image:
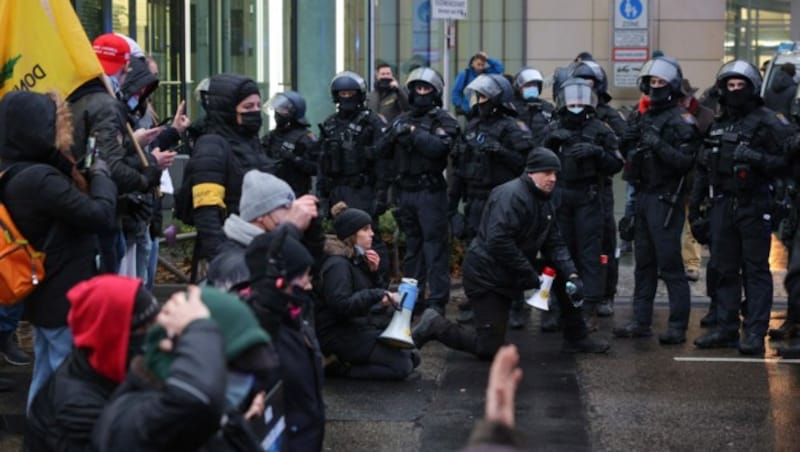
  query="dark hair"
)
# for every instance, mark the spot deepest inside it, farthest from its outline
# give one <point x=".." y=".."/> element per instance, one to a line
<point x="383" y="65"/>
<point x="479" y="56"/>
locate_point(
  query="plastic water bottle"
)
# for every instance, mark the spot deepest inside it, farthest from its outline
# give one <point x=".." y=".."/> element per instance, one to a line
<point x="571" y="288"/>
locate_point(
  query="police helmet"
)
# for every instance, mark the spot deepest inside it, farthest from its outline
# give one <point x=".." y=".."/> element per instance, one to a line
<point x="576" y="91"/>
<point x="592" y="71"/>
<point x="495" y="87"/>
<point x="288" y="104"/>
<point x="665" y="68"/>
<point x="348" y="81"/>
<point x="560" y="75"/>
<point x="739" y="69"/>
<point x="528" y="75"/>
<point x="428" y="76"/>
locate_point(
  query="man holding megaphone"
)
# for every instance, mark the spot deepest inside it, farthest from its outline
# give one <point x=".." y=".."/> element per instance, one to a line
<point x="518" y="222"/>
<point x="352" y="294"/>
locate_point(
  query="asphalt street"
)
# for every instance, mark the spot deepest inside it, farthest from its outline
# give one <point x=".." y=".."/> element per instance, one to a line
<point x="640" y="396"/>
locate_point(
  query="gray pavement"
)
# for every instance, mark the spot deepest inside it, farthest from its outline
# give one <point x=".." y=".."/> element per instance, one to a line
<point x="640" y="396"/>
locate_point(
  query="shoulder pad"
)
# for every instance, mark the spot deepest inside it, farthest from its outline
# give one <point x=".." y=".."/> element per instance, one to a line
<point x="688" y="118"/>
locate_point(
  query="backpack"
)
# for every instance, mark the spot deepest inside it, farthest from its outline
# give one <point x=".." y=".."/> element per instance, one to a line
<point x="21" y="266"/>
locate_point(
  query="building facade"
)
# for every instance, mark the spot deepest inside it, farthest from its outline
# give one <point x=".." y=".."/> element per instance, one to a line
<point x="301" y="44"/>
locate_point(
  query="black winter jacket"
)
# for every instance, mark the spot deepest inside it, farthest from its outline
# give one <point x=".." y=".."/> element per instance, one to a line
<point x="66" y="408"/>
<point x="536" y="113"/>
<point x="349" y="292"/>
<point x="219" y="165"/>
<point x="518" y="222"/>
<point x="44" y="203"/>
<point x="781" y="93"/>
<point x="180" y="416"/>
<point x="295" y="150"/>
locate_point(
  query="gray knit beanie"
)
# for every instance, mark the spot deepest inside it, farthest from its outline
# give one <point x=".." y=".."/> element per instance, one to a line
<point x="262" y="193"/>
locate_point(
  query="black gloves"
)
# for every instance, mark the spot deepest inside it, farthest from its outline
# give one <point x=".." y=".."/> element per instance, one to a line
<point x="745" y="154"/>
<point x="99" y="167"/>
<point x="286" y="153"/>
<point x="701" y="230"/>
<point x="581" y="151"/>
<point x="138" y="206"/>
<point x="152" y="177"/>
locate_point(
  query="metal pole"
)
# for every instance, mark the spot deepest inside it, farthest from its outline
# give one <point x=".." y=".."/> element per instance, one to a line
<point x="371" y="69"/>
<point x="446" y="63"/>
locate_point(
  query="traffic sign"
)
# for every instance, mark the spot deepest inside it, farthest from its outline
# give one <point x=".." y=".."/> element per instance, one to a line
<point x="630" y="13"/>
<point x="449" y="9"/>
<point x="630" y="54"/>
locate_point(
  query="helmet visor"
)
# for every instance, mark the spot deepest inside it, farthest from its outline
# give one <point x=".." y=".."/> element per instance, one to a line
<point x="661" y="69"/>
<point x="484" y="86"/>
<point x="280" y="105"/>
<point x="577" y="94"/>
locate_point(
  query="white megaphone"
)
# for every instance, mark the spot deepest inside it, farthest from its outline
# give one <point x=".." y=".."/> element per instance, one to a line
<point x="541" y="296"/>
<point x="398" y="333"/>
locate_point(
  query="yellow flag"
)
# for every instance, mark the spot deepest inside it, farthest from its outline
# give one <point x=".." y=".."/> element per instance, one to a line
<point x="43" y="47"/>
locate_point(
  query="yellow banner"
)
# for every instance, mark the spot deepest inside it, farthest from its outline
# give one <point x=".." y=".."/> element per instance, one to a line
<point x="43" y="47"/>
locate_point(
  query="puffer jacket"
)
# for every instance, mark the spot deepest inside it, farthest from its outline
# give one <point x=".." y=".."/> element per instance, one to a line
<point x="518" y="222"/>
<point x="46" y="206"/>
<point x="219" y="162"/>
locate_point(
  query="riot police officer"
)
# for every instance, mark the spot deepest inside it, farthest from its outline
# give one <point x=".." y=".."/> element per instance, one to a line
<point x="420" y="142"/>
<point x="531" y="108"/>
<point x="293" y="147"/>
<point x="589" y="154"/>
<point x="660" y="151"/>
<point x="492" y="151"/>
<point x="350" y="167"/>
<point x="593" y="72"/>
<point x="742" y="157"/>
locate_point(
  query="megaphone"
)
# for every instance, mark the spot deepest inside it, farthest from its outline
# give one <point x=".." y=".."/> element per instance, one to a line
<point x="541" y="296"/>
<point x="398" y="333"/>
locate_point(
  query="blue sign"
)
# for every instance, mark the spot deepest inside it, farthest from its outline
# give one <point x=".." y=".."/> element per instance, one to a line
<point x="631" y="9"/>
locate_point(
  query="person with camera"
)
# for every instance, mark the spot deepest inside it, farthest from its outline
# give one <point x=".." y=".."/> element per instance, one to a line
<point x="389" y="98"/>
<point x="742" y="157"/>
<point x="660" y="146"/>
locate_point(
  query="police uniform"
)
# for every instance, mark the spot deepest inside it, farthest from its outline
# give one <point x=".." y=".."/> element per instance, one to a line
<point x="295" y="151"/>
<point x="421" y="140"/>
<point x="742" y="157"/>
<point x="664" y="144"/>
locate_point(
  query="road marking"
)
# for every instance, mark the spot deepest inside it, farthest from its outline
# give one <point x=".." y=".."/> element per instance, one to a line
<point x="712" y="359"/>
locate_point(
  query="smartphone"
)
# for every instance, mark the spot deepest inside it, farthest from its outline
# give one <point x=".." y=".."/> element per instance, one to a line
<point x="91" y="152"/>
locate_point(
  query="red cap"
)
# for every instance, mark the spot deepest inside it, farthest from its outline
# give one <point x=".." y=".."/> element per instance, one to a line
<point x="113" y="52"/>
<point x="548" y="271"/>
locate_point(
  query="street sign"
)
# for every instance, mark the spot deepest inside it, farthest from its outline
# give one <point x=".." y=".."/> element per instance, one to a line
<point x="625" y="74"/>
<point x="630" y="13"/>
<point x="630" y="38"/>
<point x="449" y="9"/>
<point x="630" y="54"/>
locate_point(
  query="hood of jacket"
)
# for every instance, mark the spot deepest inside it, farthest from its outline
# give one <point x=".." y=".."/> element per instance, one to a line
<point x="240" y="231"/>
<point x="138" y="82"/>
<point x="99" y="317"/>
<point x="30" y="124"/>
<point x="336" y="247"/>
<point x="225" y="91"/>
<point x="781" y="82"/>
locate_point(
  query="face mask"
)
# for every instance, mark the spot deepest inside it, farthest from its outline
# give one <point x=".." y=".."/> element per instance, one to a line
<point x="282" y="121"/>
<point x="485" y="110"/>
<point x="349" y="105"/>
<point x="575" y="110"/>
<point x="572" y="119"/>
<point x="660" y="96"/>
<point x="251" y="122"/>
<point x="422" y="102"/>
<point x="239" y="385"/>
<point x="116" y="83"/>
<point x="133" y="102"/>
<point x="737" y="98"/>
<point x="530" y="92"/>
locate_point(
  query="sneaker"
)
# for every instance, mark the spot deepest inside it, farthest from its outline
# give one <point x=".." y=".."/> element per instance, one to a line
<point x="606" y="308"/>
<point x="585" y="345"/>
<point x="693" y="275"/>
<point x="12" y="353"/>
<point x="428" y="327"/>
<point x="633" y="329"/>
<point x="672" y="337"/>
<point x="717" y="339"/>
<point x="752" y="344"/>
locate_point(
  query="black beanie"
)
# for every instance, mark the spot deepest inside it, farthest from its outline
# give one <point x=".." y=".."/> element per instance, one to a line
<point x="349" y="221"/>
<point x="542" y="159"/>
<point x="293" y="256"/>
<point x="145" y="308"/>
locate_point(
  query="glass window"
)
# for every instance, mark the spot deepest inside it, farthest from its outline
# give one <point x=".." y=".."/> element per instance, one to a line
<point x="755" y="29"/>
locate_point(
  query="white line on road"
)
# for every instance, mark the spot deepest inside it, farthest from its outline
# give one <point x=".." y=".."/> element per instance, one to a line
<point x="712" y="359"/>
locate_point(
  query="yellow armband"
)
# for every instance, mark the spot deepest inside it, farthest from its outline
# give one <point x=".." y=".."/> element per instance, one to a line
<point x="208" y="195"/>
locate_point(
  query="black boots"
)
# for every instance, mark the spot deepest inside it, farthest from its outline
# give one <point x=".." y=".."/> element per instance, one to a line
<point x="672" y="337"/>
<point x="718" y="339"/>
<point x="633" y="329"/>
<point x="787" y="330"/>
<point x="585" y="345"/>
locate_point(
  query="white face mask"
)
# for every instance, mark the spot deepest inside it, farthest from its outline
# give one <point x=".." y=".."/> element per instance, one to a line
<point x="575" y="110"/>
<point x="530" y="92"/>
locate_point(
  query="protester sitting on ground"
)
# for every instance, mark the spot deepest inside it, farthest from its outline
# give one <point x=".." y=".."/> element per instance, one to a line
<point x="56" y="210"/>
<point x="280" y="286"/>
<point x="65" y="409"/>
<point x="495" y="432"/>
<point x="351" y="292"/>
<point x="181" y="393"/>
